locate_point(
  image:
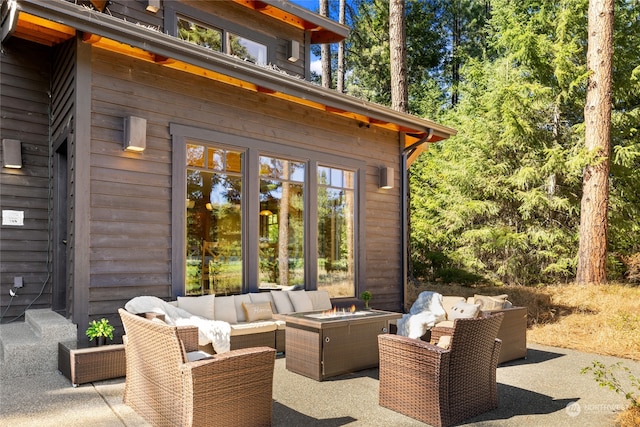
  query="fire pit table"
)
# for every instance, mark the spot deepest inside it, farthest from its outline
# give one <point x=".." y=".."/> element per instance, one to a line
<point x="320" y="345"/>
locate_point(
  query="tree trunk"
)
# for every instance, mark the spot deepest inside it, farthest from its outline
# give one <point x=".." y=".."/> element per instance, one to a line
<point x="325" y="50"/>
<point x="340" y="83"/>
<point x="455" y="47"/>
<point x="592" y="252"/>
<point x="398" y="55"/>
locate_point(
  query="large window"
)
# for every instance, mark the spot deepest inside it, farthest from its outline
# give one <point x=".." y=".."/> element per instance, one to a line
<point x="214" y="221"/>
<point x="281" y="254"/>
<point x="261" y="215"/>
<point x="336" y="242"/>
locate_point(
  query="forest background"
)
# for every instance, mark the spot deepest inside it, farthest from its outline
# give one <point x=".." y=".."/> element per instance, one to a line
<point x="500" y="202"/>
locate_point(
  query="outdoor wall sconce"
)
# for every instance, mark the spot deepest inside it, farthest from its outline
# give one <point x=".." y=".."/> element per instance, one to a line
<point x="11" y="154"/>
<point x="135" y="134"/>
<point x="153" y="6"/>
<point x="386" y="178"/>
<point x="293" y="51"/>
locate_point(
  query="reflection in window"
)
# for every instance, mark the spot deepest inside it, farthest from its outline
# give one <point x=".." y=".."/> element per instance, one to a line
<point x="336" y="231"/>
<point x="201" y="35"/>
<point x="214" y="226"/>
<point x="281" y="253"/>
<point x="212" y="38"/>
<point x="247" y="49"/>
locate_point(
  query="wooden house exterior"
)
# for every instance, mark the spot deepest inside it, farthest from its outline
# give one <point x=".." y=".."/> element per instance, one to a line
<point x="238" y="146"/>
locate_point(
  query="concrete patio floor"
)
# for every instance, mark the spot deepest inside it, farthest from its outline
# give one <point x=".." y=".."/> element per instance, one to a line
<point x="532" y="392"/>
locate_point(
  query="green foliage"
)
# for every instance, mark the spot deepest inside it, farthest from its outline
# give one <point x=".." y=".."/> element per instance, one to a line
<point x="501" y="200"/>
<point x="606" y="377"/>
<point x="100" y="328"/>
<point x="366" y="297"/>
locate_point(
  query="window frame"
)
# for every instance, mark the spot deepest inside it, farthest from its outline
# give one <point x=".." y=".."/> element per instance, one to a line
<point x="173" y="9"/>
<point x="250" y="205"/>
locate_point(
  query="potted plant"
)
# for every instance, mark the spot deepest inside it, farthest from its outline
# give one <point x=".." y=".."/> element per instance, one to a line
<point x="100" y="330"/>
<point x="366" y="296"/>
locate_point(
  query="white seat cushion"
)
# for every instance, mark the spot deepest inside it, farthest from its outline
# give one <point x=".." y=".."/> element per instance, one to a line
<point x="252" y="328"/>
<point x="192" y="356"/>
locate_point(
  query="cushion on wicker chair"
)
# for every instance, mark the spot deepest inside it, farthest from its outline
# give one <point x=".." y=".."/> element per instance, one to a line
<point x="462" y="310"/>
<point x="444" y="341"/>
<point x="439" y="386"/>
<point x="486" y="302"/>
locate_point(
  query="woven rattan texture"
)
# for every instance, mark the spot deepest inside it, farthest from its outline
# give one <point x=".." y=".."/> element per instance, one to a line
<point x="440" y="386"/>
<point x="229" y="389"/>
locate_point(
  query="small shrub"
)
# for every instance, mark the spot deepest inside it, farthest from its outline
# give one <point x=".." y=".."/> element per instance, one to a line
<point x="606" y="377"/>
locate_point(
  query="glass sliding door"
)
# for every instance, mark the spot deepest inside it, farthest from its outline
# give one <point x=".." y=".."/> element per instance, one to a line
<point x="336" y="242"/>
<point x="281" y="223"/>
<point x="214" y="221"/>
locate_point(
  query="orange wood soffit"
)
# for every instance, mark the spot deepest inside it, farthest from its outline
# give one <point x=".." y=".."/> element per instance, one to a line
<point x="42" y="31"/>
<point x="274" y="12"/>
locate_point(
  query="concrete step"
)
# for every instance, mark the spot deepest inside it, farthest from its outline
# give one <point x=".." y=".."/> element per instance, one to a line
<point x="31" y="347"/>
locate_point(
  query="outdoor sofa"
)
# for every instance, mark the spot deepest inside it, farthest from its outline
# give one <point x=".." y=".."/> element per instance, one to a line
<point x="255" y="318"/>
<point x="512" y="332"/>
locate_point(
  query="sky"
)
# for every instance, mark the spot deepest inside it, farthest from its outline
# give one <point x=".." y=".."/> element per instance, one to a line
<point x="312" y="5"/>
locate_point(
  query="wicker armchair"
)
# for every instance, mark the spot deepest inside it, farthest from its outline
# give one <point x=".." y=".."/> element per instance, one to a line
<point x="442" y="386"/>
<point x="165" y="388"/>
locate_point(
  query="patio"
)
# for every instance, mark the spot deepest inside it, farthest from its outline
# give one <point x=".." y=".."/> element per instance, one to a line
<point x="532" y="392"/>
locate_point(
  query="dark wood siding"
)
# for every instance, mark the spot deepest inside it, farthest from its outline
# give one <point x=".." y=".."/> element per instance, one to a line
<point x="63" y="101"/>
<point x="135" y="11"/>
<point x="131" y="193"/>
<point x="24" y="109"/>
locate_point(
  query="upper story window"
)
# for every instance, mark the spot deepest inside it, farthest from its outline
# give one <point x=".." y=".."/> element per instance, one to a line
<point x="218" y="34"/>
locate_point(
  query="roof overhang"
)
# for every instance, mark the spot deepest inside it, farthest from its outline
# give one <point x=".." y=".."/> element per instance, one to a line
<point x="53" y="21"/>
<point x="321" y="28"/>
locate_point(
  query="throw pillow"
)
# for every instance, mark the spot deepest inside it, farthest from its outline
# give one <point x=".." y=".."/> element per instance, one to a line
<point x="202" y="306"/>
<point x="444" y="341"/>
<point x="490" y="302"/>
<point x="320" y="300"/>
<point x="226" y="309"/>
<point x="257" y="311"/>
<point x="282" y="301"/>
<point x="301" y="301"/>
<point x="238" y="300"/>
<point x="462" y="310"/>
<point x="450" y="301"/>
<point x="263" y="297"/>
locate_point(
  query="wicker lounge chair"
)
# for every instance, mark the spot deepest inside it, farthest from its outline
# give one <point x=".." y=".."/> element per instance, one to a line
<point x="165" y="388"/>
<point x="441" y="386"/>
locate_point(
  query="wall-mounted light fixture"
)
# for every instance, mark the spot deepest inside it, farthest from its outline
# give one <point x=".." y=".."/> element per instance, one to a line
<point x="135" y="134"/>
<point x="386" y="178"/>
<point x="153" y="6"/>
<point x="11" y="154"/>
<point x="293" y="51"/>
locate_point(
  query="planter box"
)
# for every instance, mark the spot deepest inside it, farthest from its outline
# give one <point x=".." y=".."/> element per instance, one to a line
<point x="85" y="365"/>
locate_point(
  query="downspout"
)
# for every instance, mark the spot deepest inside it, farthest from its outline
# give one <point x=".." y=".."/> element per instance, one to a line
<point x="404" y="205"/>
